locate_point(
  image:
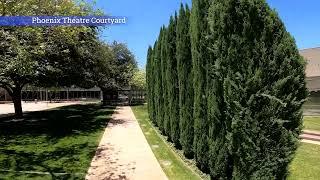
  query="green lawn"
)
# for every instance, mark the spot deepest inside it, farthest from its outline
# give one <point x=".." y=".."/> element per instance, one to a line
<point x="306" y="164"/>
<point x="312" y="123"/>
<point x="174" y="167"/>
<point x="59" y="142"/>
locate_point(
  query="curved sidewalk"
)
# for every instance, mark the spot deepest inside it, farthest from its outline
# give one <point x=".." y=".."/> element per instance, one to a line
<point x="123" y="152"/>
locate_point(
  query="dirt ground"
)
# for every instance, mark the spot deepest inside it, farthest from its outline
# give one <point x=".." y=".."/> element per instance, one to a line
<point x="123" y="152"/>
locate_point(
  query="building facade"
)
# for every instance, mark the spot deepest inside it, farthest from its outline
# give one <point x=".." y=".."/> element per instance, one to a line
<point x="312" y="56"/>
<point x="30" y="93"/>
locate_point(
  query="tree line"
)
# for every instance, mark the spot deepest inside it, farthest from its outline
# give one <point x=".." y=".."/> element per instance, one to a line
<point x="226" y="84"/>
<point x="60" y="56"/>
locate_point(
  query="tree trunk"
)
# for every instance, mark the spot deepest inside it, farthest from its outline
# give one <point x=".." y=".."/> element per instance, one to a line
<point x="16" y="98"/>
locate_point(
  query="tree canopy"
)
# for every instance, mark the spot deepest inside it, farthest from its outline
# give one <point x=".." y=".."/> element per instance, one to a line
<point x="59" y="56"/>
<point x="138" y="80"/>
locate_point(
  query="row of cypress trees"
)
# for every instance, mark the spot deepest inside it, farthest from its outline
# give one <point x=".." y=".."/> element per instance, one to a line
<point x="226" y="84"/>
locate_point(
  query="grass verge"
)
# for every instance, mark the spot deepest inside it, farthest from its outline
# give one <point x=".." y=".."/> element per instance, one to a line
<point x="52" y="144"/>
<point x="171" y="162"/>
<point x="312" y="123"/>
<point x="306" y="164"/>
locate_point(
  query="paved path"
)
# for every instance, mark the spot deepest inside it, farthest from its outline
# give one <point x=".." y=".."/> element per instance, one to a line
<point x="312" y="137"/>
<point x="32" y="106"/>
<point x="123" y="152"/>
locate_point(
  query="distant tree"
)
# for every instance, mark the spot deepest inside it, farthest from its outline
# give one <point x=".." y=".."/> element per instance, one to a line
<point x="261" y="77"/>
<point x="200" y="56"/>
<point x="113" y="68"/>
<point x="184" y="67"/>
<point x="138" y="80"/>
<point x="124" y="64"/>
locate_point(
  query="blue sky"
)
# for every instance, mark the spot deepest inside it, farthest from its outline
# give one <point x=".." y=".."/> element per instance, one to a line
<point x="145" y="18"/>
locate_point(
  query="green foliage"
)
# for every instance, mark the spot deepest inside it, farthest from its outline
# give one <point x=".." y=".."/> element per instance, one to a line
<point x="184" y="67"/>
<point x="200" y="56"/>
<point x="260" y="75"/>
<point x="155" y="81"/>
<point x="158" y="82"/>
<point x="172" y="83"/>
<point x="138" y="80"/>
<point x="40" y="55"/>
<point x="150" y="83"/>
<point x="123" y="64"/>
<point x="234" y="88"/>
<point x="17" y="54"/>
<point x="164" y="68"/>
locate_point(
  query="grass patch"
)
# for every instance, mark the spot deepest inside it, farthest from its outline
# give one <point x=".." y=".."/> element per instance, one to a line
<point x="306" y="164"/>
<point x="57" y="143"/>
<point x="172" y="164"/>
<point x="312" y="123"/>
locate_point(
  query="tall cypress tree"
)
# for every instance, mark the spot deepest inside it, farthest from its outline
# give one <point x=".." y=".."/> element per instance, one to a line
<point x="172" y="83"/>
<point x="200" y="57"/>
<point x="153" y="88"/>
<point x="165" y="110"/>
<point x="185" y="81"/>
<point x="159" y="86"/>
<point x="149" y="81"/>
<point x="262" y="80"/>
<point x="157" y="80"/>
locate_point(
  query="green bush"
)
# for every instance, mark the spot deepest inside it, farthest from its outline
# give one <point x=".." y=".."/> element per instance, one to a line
<point x="260" y="74"/>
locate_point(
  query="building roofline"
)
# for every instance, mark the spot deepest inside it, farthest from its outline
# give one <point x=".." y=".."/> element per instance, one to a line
<point x="318" y="47"/>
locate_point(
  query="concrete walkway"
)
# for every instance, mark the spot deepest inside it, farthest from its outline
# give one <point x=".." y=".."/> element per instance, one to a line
<point x="123" y="152"/>
<point x="309" y="136"/>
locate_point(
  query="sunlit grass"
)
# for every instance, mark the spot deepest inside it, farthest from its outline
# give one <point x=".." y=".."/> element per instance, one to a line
<point x="306" y="164"/>
<point x="312" y="123"/>
<point x="174" y="167"/>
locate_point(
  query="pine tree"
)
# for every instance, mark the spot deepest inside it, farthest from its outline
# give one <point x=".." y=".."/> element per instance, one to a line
<point x="260" y="74"/>
<point x="172" y="83"/>
<point x="185" y="81"/>
<point x="200" y="57"/>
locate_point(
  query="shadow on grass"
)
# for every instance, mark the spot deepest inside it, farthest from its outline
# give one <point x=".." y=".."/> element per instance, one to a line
<point x="61" y="140"/>
<point x="57" y="122"/>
